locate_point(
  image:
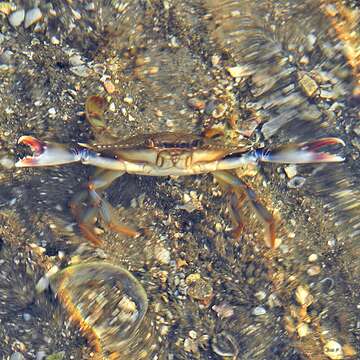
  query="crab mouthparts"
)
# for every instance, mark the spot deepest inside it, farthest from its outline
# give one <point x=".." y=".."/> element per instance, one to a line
<point x="37" y="147"/>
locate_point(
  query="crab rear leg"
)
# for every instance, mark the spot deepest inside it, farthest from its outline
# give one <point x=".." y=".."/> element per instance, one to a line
<point x="239" y="188"/>
<point x="96" y="205"/>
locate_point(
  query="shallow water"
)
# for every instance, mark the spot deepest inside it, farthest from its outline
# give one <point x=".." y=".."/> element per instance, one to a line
<point x="268" y="71"/>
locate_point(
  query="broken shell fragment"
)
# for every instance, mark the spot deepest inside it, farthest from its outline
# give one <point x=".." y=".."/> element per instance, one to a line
<point x="333" y="350"/>
<point x="109" y="305"/>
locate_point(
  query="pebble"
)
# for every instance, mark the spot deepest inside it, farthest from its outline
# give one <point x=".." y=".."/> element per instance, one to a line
<point x="310" y="42"/>
<point x="54" y="40"/>
<point x="40" y="355"/>
<point x="7" y="163"/>
<point x="314" y="270"/>
<point x="260" y="295"/>
<point x="303" y="297"/>
<point x="333" y="350"/>
<point x="17" y="356"/>
<point x="215" y="59"/>
<point x="290" y="171"/>
<point x="6" y="7"/>
<point x="200" y="290"/>
<point x="308" y="85"/>
<point x="80" y="70"/>
<point x="75" y="60"/>
<point x="313" y="257"/>
<point x="26" y="316"/>
<point x="32" y="16"/>
<point x="357" y="129"/>
<point x="303" y="329"/>
<point x="239" y="71"/>
<point x="259" y="310"/>
<point x="57" y="356"/>
<point x="296" y="182"/>
<point x="163" y="255"/>
<point x="223" y="310"/>
<point x="219" y="111"/>
<point x="193" y="334"/>
<point x="129" y="100"/>
<point x="42" y="284"/>
<point x="190" y="345"/>
<point x="16" y="18"/>
<point x="196" y="103"/>
<point x="109" y="87"/>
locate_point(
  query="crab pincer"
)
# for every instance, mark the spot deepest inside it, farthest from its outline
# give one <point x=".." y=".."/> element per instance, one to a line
<point x="47" y="154"/>
<point x="303" y="153"/>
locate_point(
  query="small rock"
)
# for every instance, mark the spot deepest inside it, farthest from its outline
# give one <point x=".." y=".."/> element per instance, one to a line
<point x="52" y="112"/>
<point x="109" y="87"/>
<point x="17" y="356"/>
<point x="215" y="59"/>
<point x="223" y="310"/>
<point x="26" y="316"/>
<point x="54" y="40"/>
<point x="259" y="310"/>
<point x="303" y="329"/>
<point x="303" y="296"/>
<point x="7" y="162"/>
<point x="296" y="182"/>
<point x="57" y="356"/>
<point x="357" y="129"/>
<point x="219" y="111"/>
<point x="260" y="295"/>
<point x="201" y="290"/>
<point x="129" y="100"/>
<point x="196" y="103"/>
<point x="32" y="16"/>
<point x="310" y="41"/>
<point x="239" y="71"/>
<point x="75" y="60"/>
<point x="162" y="255"/>
<point x="193" y="334"/>
<point x="16" y="18"/>
<point x="42" y="284"/>
<point x="308" y="85"/>
<point x="313" y="258"/>
<point x="290" y="171"/>
<point x="6" y="7"/>
<point x="314" y="270"/>
<point x="40" y="355"/>
<point x="333" y="350"/>
<point x="80" y="70"/>
<point x="190" y="345"/>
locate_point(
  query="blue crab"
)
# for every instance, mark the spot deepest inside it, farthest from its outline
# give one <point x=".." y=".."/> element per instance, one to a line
<point x="165" y="154"/>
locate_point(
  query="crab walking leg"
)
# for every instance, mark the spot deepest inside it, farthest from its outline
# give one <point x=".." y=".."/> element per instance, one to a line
<point x="97" y="205"/>
<point x="235" y="201"/>
<point x="262" y="213"/>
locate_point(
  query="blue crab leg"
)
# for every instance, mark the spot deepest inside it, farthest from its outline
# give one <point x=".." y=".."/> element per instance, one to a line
<point x="303" y="153"/>
<point x="86" y="218"/>
<point x="262" y="213"/>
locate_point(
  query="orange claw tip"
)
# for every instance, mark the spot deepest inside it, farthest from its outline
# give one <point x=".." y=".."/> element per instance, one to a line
<point x="36" y="145"/>
<point x="319" y="143"/>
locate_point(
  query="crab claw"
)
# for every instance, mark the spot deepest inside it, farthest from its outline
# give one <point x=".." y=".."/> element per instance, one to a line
<point x="304" y="153"/>
<point x="46" y="154"/>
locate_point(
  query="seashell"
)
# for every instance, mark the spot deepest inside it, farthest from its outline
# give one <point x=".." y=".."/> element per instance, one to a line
<point x="110" y="306"/>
